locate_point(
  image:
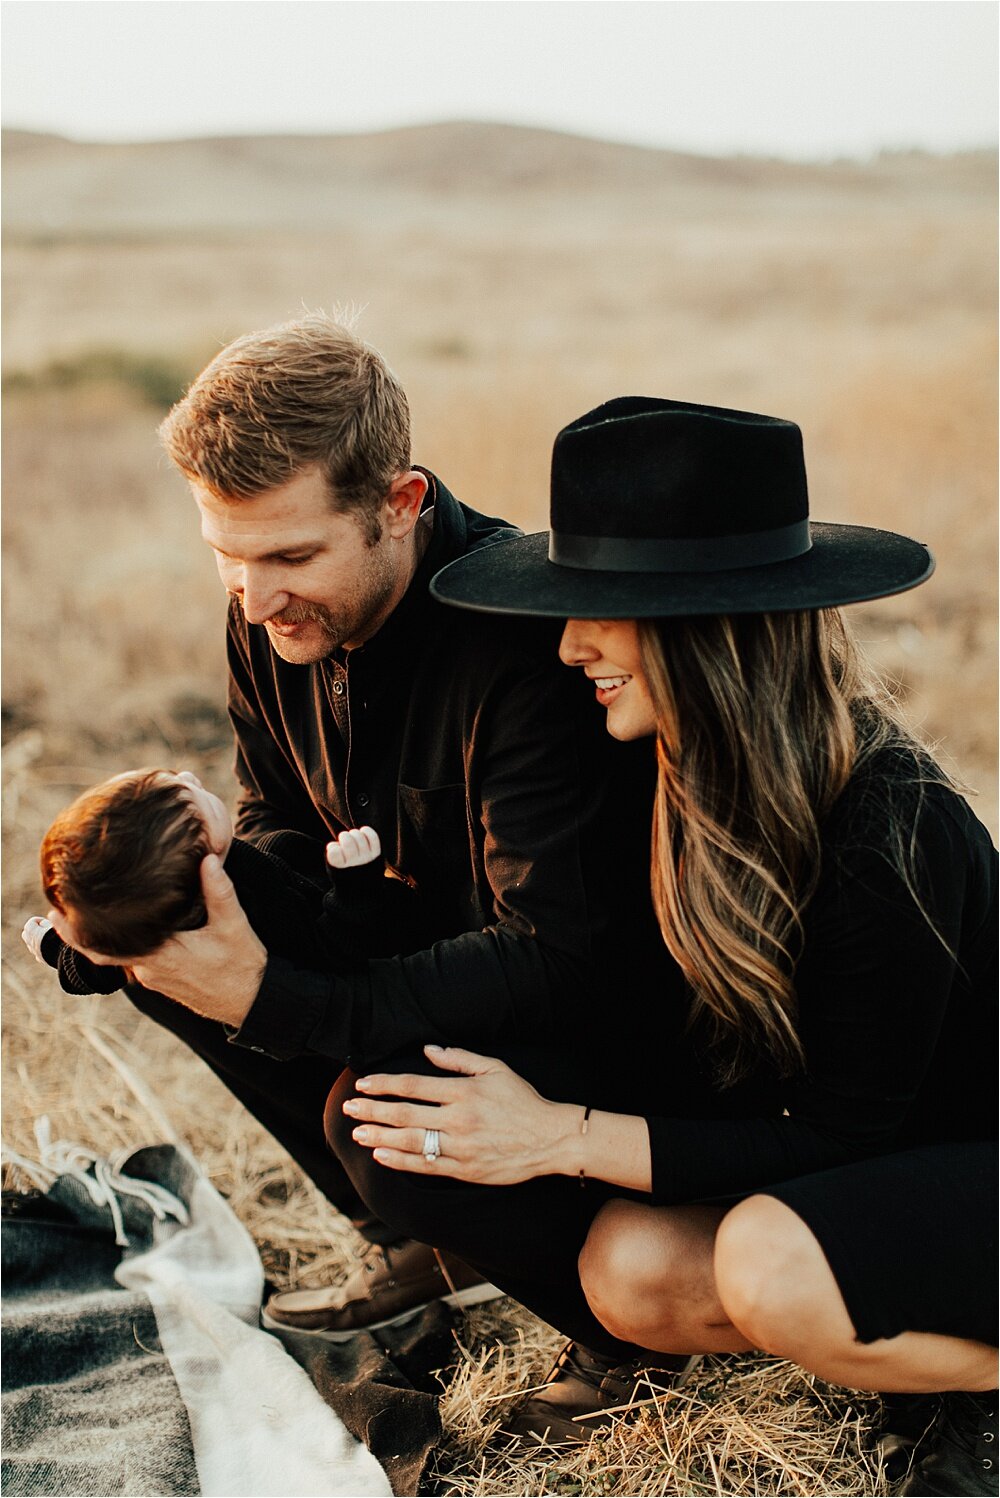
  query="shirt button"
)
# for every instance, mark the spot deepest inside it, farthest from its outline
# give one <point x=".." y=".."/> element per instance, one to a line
<point x="338" y="688"/>
<point x="363" y="800"/>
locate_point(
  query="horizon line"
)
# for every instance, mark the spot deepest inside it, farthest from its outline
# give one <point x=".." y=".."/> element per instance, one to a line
<point x="821" y="158"/>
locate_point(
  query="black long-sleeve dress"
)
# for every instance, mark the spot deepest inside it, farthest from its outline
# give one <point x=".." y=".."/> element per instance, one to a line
<point x="897" y="998"/>
<point x="885" y="1145"/>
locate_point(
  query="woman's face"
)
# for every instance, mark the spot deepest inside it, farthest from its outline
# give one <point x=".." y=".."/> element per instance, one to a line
<point x="608" y="651"/>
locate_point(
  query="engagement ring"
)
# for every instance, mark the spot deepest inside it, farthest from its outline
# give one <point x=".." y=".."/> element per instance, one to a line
<point x="432" y="1144"/>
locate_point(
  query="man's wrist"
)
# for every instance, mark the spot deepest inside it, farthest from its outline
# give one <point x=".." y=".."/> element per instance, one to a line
<point x="249" y="987"/>
<point x="285" y="1009"/>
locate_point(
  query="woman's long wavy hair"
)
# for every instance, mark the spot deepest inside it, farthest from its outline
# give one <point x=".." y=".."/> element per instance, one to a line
<point x="761" y="721"/>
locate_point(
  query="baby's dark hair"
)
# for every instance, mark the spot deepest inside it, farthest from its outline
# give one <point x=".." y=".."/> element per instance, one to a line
<point x="123" y="863"/>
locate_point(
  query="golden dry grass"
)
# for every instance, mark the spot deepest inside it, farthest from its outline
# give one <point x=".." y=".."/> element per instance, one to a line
<point x="859" y="301"/>
<point x="742" y="1425"/>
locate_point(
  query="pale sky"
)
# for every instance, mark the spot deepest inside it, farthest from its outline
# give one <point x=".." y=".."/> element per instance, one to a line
<point x="799" y="78"/>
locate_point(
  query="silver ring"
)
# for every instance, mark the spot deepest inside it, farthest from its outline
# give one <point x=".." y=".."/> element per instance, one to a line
<point x="432" y="1145"/>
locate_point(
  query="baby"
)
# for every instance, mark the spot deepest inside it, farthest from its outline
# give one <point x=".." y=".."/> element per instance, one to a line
<point x="122" y="864"/>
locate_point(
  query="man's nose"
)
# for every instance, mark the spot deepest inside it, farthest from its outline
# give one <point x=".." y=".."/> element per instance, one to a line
<point x="260" y="599"/>
<point x="573" y="647"/>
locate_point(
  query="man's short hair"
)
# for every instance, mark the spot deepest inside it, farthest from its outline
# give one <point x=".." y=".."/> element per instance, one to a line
<point x="276" y="402"/>
<point x="123" y="863"/>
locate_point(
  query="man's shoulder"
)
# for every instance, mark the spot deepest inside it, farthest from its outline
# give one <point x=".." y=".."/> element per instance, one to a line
<point x="479" y="530"/>
<point x="459" y="529"/>
<point x="474" y="635"/>
<point x="499" y="639"/>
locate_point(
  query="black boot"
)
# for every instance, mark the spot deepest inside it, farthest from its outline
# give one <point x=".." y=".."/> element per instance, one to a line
<point x="961" y="1456"/>
<point x="907" y="1419"/>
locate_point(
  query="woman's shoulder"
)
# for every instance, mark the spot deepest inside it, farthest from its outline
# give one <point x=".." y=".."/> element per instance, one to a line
<point x="902" y="809"/>
<point x="896" y="784"/>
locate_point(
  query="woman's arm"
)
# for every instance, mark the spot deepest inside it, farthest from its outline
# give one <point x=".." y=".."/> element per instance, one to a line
<point x="494" y="1127"/>
<point x="874" y="989"/>
<point x="898" y="1034"/>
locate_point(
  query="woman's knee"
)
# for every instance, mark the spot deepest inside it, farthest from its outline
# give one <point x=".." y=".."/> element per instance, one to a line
<point x="771" y="1275"/>
<point x="628" y="1269"/>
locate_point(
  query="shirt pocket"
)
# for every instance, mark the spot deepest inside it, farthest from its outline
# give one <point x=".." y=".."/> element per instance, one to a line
<point x="434" y="831"/>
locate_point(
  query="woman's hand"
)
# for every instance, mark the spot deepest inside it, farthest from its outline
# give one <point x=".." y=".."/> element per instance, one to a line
<point x="494" y="1128"/>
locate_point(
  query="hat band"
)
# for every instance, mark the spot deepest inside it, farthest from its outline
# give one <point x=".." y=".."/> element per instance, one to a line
<point x="679" y="553"/>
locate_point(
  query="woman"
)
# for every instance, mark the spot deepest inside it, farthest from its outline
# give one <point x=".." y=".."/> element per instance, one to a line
<point x="829" y="899"/>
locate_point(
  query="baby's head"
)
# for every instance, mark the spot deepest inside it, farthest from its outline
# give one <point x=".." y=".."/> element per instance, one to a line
<point x="122" y="863"/>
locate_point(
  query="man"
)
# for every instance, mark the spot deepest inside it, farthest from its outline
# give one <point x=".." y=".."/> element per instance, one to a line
<point x="354" y="697"/>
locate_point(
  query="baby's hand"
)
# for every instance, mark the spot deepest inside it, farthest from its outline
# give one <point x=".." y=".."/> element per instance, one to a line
<point x="356" y="846"/>
<point x="35" y="928"/>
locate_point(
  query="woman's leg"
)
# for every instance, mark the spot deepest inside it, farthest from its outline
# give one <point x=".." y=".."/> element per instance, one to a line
<point x="775" y="1285"/>
<point x="648" y="1277"/>
<point x="700" y="1279"/>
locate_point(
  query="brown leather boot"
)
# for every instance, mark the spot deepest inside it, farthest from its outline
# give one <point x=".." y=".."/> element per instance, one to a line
<point x="391" y="1284"/>
<point x="586" y="1391"/>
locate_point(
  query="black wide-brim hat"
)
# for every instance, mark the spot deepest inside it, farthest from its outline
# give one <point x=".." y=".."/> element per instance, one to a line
<point x="663" y="508"/>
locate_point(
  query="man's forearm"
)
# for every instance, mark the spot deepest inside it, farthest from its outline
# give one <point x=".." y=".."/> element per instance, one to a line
<point x="284" y="1011"/>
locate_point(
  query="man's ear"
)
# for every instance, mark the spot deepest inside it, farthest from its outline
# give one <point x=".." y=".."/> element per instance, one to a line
<point x="406" y="495"/>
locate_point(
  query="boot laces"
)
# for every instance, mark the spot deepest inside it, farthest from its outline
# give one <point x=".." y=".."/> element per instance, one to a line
<point x="593" y="1372"/>
<point x="373" y="1256"/>
<point x="968" y="1423"/>
<point x="102" y="1178"/>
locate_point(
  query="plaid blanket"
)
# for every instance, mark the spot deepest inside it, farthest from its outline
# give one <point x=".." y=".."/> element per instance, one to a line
<point x="132" y="1359"/>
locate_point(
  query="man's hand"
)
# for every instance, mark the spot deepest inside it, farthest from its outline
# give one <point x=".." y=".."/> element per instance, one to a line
<point x="216" y="970"/>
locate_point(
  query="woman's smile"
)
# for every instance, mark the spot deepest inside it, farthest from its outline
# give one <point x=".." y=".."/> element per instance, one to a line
<point x="609" y="653"/>
<point x="609" y="688"/>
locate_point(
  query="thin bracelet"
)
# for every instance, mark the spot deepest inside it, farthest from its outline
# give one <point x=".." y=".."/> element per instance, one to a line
<point x="584" y="1129"/>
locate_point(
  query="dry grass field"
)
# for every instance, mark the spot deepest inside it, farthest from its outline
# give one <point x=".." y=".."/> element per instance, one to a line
<point x="513" y="279"/>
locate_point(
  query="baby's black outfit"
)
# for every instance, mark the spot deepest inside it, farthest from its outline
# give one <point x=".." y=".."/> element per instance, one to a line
<point x="300" y="908"/>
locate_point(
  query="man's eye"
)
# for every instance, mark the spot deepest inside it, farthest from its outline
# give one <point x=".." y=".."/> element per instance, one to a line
<point x="296" y="561"/>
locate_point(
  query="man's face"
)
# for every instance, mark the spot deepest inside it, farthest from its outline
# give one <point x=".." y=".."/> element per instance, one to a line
<point x="305" y="572"/>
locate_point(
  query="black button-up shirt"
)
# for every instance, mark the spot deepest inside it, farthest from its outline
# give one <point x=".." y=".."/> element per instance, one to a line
<point x="487" y="771"/>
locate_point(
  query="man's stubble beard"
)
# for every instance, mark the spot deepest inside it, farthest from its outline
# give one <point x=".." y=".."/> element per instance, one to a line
<point x="354" y="620"/>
